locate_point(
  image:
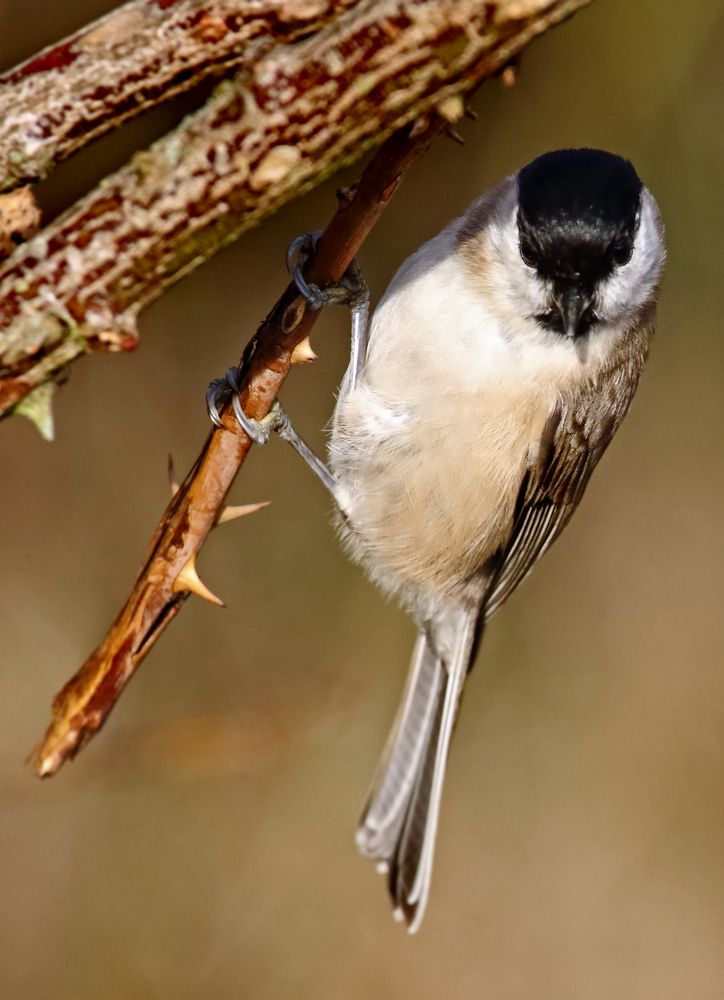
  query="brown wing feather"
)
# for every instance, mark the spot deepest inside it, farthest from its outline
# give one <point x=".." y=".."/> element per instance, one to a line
<point x="576" y="435"/>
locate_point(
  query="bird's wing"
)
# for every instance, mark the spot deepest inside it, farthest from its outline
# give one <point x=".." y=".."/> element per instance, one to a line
<point x="575" y="436"/>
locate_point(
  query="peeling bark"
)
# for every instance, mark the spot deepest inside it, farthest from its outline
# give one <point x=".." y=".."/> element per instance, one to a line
<point x="139" y="55"/>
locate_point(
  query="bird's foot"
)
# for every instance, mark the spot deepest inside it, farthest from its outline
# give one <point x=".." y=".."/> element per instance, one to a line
<point x="350" y="290"/>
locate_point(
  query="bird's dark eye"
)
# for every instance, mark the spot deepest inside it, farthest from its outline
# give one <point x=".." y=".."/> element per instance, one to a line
<point x="621" y="251"/>
<point x="527" y="252"/>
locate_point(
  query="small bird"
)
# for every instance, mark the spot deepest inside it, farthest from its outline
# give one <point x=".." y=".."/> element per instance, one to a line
<point x="497" y="367"/>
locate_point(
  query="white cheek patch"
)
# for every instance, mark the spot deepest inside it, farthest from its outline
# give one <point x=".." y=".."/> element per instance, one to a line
<point x="517" y="288"/>
<point x="634" y="285"/>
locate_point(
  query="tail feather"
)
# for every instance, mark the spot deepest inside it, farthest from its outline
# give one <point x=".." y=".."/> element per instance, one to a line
<point x="397" y="771"/>
<point x="400" y="821"/>
<point x="410" y="867"/>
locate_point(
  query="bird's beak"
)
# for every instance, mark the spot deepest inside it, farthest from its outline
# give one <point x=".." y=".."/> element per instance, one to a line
<point x="572" y="303"/>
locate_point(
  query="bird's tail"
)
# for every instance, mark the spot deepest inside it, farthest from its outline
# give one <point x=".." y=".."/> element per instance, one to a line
<point x="399" y="822"/>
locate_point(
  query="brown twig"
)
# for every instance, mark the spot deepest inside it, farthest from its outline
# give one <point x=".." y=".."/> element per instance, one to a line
<point x="139" y="55"/>
<point x="290" y="120"/>
<point x="168" y="575"/>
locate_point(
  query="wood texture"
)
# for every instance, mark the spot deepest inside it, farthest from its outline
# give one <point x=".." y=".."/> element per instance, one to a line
<point x="143" y="53"/>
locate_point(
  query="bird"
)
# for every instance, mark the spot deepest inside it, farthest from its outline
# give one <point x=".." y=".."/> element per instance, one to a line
<point x="495" y="371"/>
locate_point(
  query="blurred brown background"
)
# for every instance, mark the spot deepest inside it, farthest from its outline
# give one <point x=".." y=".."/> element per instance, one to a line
<point x="202" y="845"/>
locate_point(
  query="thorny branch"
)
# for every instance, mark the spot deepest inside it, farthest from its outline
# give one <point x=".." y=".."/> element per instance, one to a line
<point x="288" y="120"/>
<point x="293" y="115"/>
<point x="169" y="574"/>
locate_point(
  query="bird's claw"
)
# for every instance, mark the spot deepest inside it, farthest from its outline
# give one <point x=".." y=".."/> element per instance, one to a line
<point x="224" y="390"/>
<point x="350" y="289"/>
<point x="220" y="391"/>
<point x="259" y="430"/>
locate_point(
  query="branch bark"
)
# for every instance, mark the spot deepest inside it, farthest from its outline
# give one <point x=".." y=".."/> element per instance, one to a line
<point x="81" y="708"/>
<point x="287" y="122"/>
<point x="143" y="53"/>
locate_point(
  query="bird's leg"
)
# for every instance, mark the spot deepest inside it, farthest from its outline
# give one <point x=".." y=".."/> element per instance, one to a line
<point x="351" y="291"/>
<point x="260" y="431"/>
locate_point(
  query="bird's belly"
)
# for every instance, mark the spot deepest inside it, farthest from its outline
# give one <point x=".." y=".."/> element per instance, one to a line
<point x="431" y="497"/>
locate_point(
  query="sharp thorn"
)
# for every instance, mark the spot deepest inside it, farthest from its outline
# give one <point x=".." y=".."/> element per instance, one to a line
<point x="37" y="407"/>
<point x="346" y="194"/>
<point x="46" y="766"/>
<point x="231" y="513"/>
<point x="455" y="136"/>
<point x="303" y="353"/>
<point x="420" y="126"/>
<point x="44" y="769"/>
<point x="472" y="115"/>
<point x="189" y="579"/>
<point x="451" y="108"/>
<point x="172" y="480"/>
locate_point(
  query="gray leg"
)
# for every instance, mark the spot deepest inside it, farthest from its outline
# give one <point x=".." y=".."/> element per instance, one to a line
<point x="351" y="291"/>
<point x="222" y="390"/>
<point x="279" y="421"/>
<point x="360" y="308"/>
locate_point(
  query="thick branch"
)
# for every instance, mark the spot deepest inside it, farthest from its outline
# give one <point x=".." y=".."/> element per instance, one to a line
<point x="139" y="55"/>
<point x="293" y="118"/>
<point x="84" y="703"/>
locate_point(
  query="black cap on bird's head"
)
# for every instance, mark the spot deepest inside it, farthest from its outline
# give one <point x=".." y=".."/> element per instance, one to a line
<point x="578" y="212"/>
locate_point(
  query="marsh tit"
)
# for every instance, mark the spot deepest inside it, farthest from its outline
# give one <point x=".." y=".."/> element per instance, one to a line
<point x="495" y="371"/>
